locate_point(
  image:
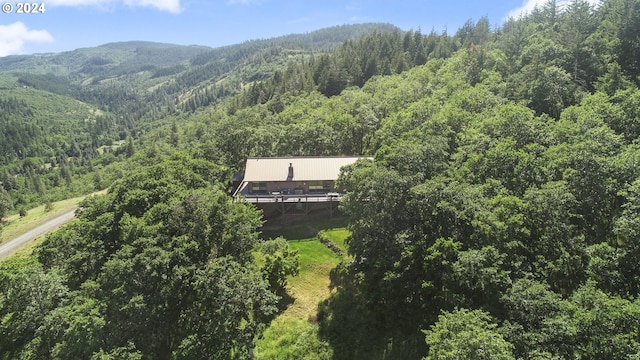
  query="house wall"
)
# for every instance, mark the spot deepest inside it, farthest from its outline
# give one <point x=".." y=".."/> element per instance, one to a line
<point x="306" y="187"/>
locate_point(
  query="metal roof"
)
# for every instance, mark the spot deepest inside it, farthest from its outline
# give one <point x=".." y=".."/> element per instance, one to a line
<point x="304" y="168"/>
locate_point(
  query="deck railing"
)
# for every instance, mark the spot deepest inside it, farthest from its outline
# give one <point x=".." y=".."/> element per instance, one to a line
<point x="306" y="198"/>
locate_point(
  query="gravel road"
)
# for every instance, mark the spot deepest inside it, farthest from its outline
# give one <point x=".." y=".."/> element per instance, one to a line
<point x="12" y="245"/>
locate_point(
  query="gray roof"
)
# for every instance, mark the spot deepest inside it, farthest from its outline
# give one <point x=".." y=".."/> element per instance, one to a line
<point x="304" y="168"/>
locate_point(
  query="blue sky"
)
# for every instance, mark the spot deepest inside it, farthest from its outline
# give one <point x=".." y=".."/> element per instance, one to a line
<point x="71" y="24"/>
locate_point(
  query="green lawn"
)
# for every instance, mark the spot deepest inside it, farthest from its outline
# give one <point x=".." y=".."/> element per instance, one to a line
<point x="292" y="335"/>
<point x="312" y="284"/>
<point x="338" y="237"/>
<point x="292" y="339"/>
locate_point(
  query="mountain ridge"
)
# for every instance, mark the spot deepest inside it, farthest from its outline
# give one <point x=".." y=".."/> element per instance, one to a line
<point x="130" y="85"/>
<point x="326" y="38"/>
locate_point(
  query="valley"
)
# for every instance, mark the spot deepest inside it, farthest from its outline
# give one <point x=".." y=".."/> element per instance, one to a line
<point x="493" y="213"/>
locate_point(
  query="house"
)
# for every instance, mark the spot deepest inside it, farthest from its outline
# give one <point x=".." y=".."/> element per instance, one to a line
<point x="299" y="181"/>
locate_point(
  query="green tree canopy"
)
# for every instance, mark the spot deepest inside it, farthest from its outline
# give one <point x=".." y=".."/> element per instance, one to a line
<point x="465" y="334"/>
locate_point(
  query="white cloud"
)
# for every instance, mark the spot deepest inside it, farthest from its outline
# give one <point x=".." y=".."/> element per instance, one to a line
<point x="529" y="5"/>
<point x="14" y="36"/>
<point x="76" y="2"/>
<point x="172" y="6"/>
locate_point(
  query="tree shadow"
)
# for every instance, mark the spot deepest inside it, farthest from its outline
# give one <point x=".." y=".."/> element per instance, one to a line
<point x="356" y="328"/>
<point x="300" y="227"/>
<point x="285" y="300"/>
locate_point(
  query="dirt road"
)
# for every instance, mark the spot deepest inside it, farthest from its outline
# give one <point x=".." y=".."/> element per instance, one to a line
<point x="12" y="245"/>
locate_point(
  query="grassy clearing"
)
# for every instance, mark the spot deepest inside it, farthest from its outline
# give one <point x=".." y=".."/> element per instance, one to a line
<point x="289" y="338"/>
<point x="291" y="335"/>
<point x="338" y="236"/>
<point x="312" y="284"/>
<point x="316" y="260"/>
<point x="16" y="225"/>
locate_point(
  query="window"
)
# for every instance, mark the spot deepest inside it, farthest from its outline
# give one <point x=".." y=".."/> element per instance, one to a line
<point x="258" y="187"/>
<point x="316" y="186"/>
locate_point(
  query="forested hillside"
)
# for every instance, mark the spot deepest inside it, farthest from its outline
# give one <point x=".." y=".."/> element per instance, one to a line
<point x="499" y="218"/>
<point x="66" y="117"/>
